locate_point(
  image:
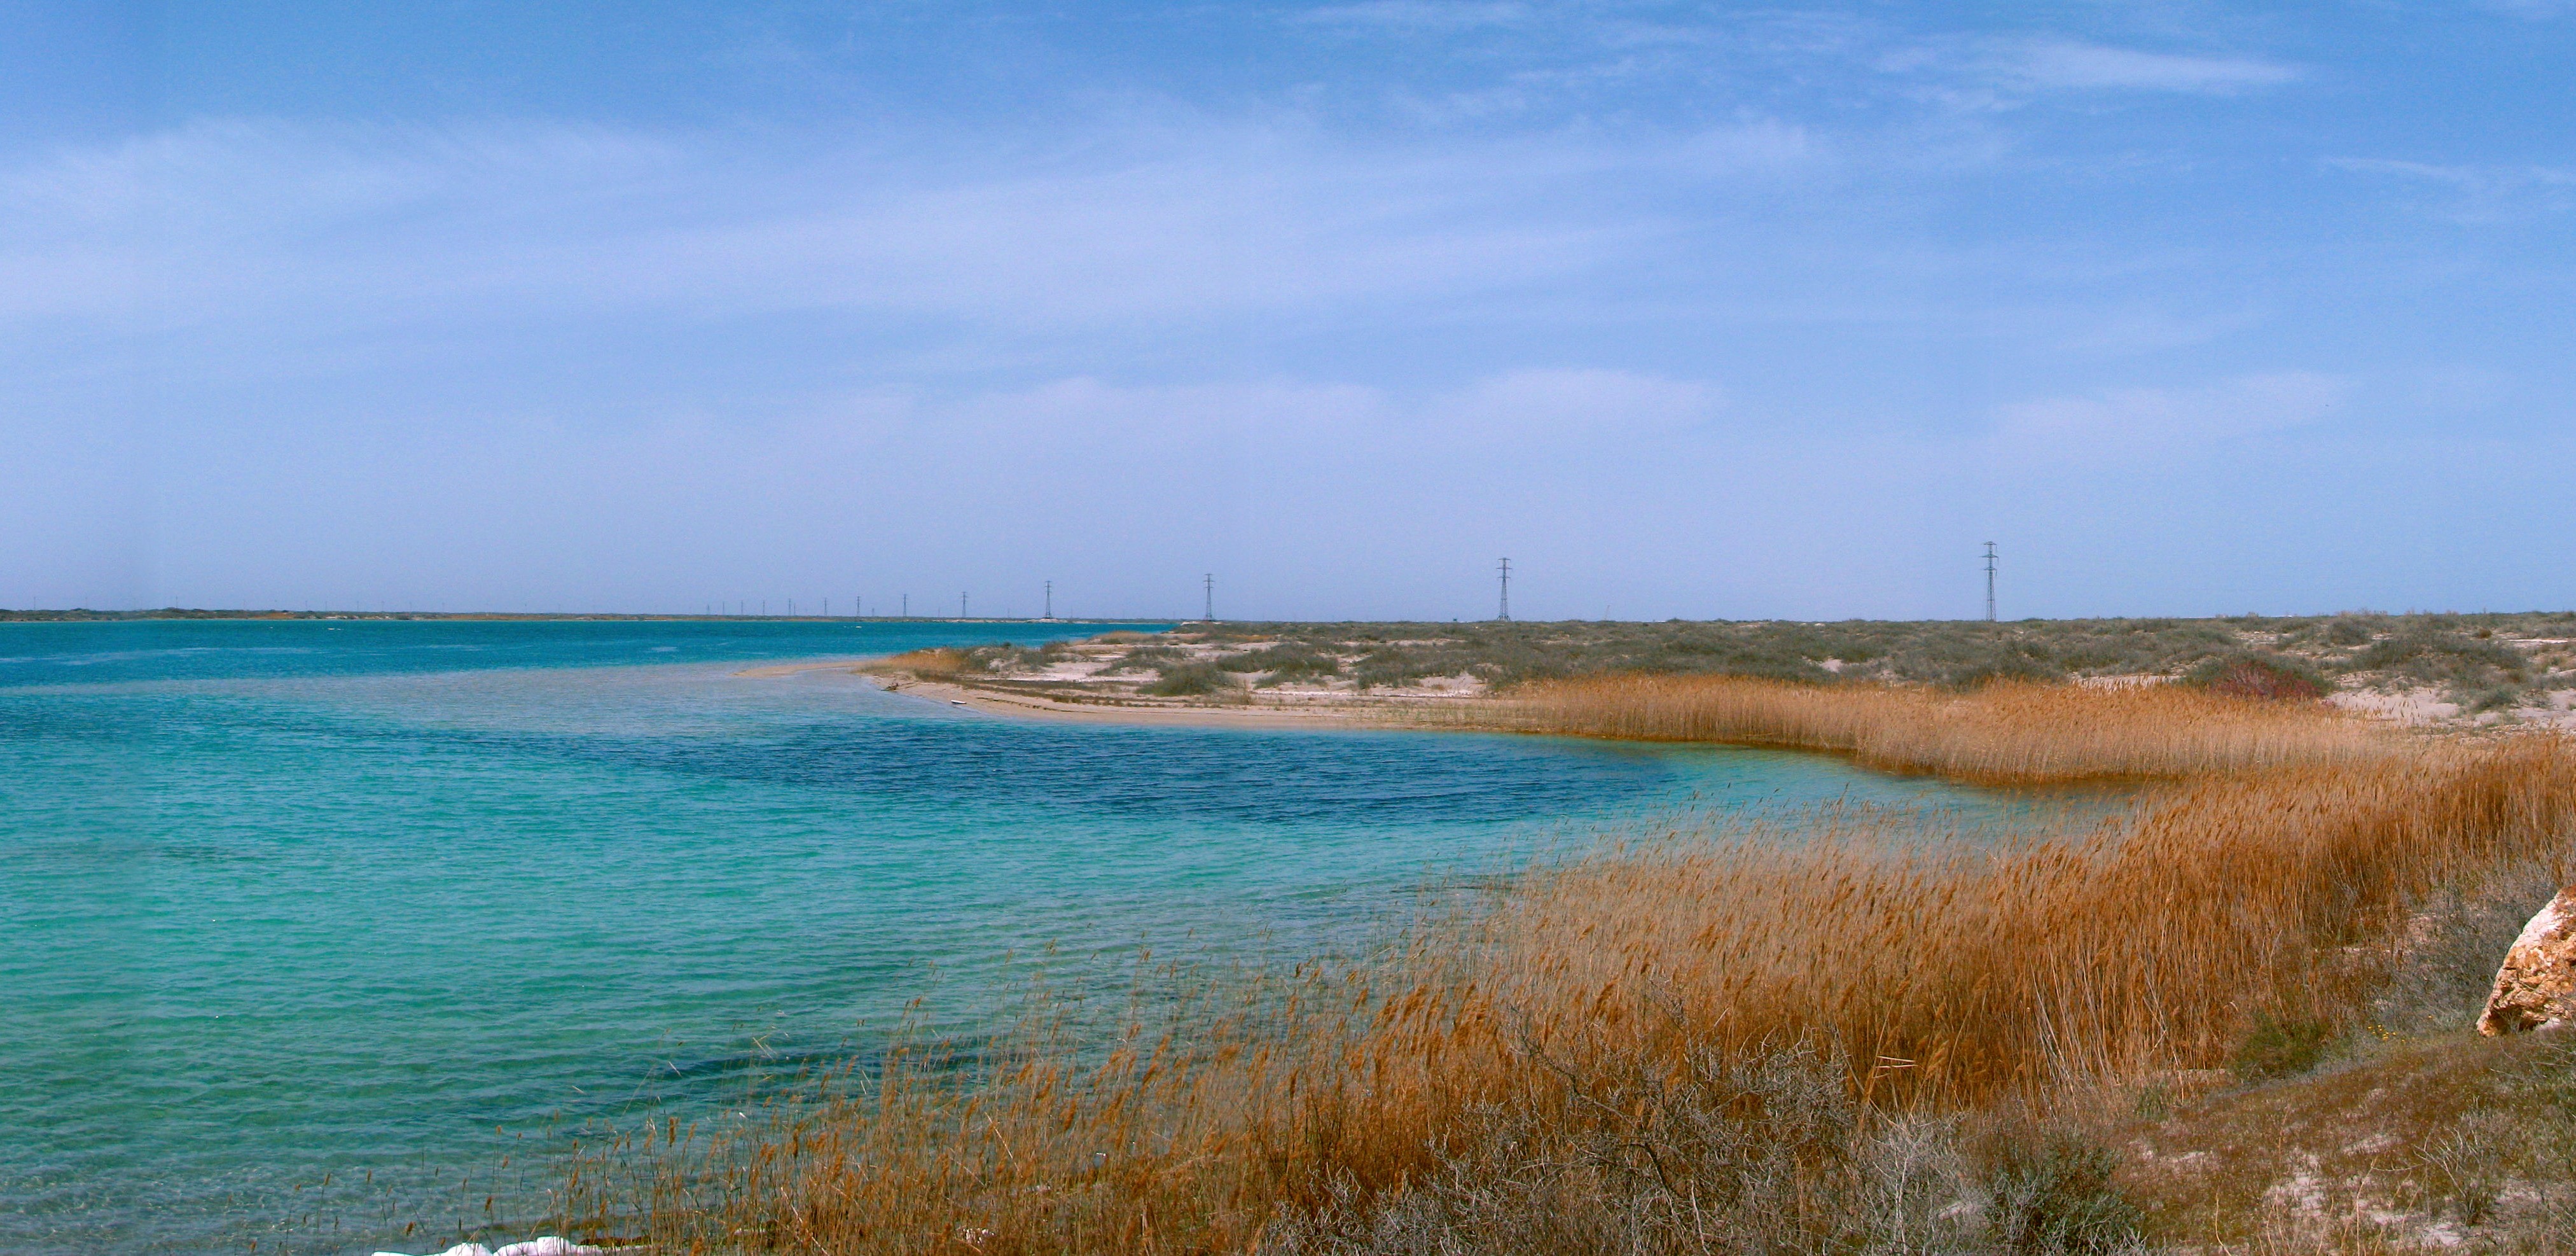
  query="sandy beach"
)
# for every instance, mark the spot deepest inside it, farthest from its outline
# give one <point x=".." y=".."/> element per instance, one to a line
<point x="1340" y="712"/>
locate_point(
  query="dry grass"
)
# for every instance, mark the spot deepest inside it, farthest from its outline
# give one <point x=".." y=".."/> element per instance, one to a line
<point x="1976" y="974"/>
<point x="1587" y="1039"/>
<point x="2004" y="733"/>
<point x="940" y="661"/>
<point x="2450" y="1142"/>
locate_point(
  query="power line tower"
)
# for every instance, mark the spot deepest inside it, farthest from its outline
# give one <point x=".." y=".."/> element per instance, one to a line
<point x="1505" y="612"/>
<point x="1050" y="599"/>
<point x="1209" y="613"/>
<point x="1990" y="582"/>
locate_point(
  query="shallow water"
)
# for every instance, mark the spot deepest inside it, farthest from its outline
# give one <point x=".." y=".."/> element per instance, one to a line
<point x="304" y="926"/>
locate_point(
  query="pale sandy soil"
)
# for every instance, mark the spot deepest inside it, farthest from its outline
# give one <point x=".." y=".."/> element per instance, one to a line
<point x="2413" y="707"/>
<point x="818" y="665"/>
<point x="1112" y="699"/>
<point x="1345" y="714"/>
<point x="2426" y="708"/>
<point x="1088" y="686"/>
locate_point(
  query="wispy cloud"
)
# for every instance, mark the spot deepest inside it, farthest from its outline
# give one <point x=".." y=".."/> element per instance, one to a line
<point x="1985" y="74"/>
<point x="1580" y="405"/>
<point x="2531" y="10"/>
<point x="2126" y="423"/>
<point x="2068" y="64"/>
<point x="2473" y="193"/>
<point x="1420" y="15"/>
<point x="1421" y="280"/>
<point x="1128" y="227"/>
<point x="1232" y="472"/>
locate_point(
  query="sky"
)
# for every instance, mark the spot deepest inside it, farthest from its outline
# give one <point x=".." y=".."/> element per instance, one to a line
<point x="1691" y="310"/>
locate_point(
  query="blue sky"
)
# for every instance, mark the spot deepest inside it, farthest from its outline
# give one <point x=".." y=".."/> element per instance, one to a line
<point x="1691" y="310"/>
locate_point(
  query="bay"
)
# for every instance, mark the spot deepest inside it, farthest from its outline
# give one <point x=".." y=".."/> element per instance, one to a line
<point x="306" y="925"/>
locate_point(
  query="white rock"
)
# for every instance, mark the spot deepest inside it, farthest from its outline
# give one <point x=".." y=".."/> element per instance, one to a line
<point x="2536" y="987"/>
<point x="549" y="1245"/>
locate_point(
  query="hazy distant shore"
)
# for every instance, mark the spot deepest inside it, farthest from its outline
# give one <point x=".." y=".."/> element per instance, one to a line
<point x="2489" y="672"/>
<point x="80" y="615"/>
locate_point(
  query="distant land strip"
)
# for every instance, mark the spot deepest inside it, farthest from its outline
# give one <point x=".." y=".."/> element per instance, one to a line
<point x="83" y="615"/>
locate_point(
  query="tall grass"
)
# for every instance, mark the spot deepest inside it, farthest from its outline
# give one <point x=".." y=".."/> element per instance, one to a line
<point x="1609" y="1020"/>
<point x="939" y="661"/>
<point x="2005" y="733"/>
<point x="1972" y="974"/>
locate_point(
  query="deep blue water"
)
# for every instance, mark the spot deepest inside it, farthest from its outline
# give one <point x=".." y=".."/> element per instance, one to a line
<point x="305" y="925"/>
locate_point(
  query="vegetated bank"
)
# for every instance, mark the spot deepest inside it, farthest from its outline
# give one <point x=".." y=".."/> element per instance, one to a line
<point x="2001" y="733"/>
<point x="1857" y="1037"/>
<point x="2453" y="670"/>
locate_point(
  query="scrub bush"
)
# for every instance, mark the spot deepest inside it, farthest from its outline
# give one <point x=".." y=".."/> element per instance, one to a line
<point x="2269" y="677"/>
<point x="1189" y="680"/>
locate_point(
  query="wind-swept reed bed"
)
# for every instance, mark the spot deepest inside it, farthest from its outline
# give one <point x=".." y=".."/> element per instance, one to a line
<point x="2005" y="733"/>
<point x="2148" y="944"/>
<point x="1709" y="1041"/>
<point x="935" y="661"/>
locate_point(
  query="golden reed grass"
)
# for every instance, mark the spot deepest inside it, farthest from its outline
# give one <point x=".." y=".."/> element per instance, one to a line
<point x="2002" y="733"/>
<point x="1944" y="974"/>
<point x="935" y="661"/>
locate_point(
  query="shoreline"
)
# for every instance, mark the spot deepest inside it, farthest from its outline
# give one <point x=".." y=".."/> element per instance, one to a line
<point x="1067" y="687"/>
<point x="1353" y="716"/>
<point x="1376" y="714"/>
<point x="772" y="671"/>
<point x="1379" y="716"/>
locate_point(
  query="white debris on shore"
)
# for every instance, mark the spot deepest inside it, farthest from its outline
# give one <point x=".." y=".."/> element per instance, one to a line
<point x="550" y="1245"/>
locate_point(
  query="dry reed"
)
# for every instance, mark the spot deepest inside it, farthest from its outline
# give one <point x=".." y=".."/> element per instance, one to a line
<point x="935" y="661"/>
<point x="1937" y="977"/>
<point x="2002" y="733"/>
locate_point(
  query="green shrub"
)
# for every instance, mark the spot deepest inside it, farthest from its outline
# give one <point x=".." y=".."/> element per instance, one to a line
<point x="1287" y="661"/>
<point x="2015" y="661"/>
<point x="1019" y="658"/>
<point x="1145" y="659"/>
<point x="2279" y="1047"/>
<point x="1763" y="1155"/>
<point x="1397" y="665"/>
<point x="2435" y="655"/>
<point x="2494" y="698"/>
<point x="2436" y="650"/>
<point x="2271" y="677"/>
<point x="1180" y="680"/>
<point x="2049" y="1190"/>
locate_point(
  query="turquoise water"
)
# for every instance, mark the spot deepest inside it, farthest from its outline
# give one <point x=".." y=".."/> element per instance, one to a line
<point x="305" y="925"/>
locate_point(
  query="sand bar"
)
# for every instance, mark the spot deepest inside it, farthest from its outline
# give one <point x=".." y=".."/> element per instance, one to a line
<point x="1343" y="714"/>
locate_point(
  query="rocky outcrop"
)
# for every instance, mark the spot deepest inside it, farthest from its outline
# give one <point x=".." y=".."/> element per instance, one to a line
<point x="2536" y="988"/>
